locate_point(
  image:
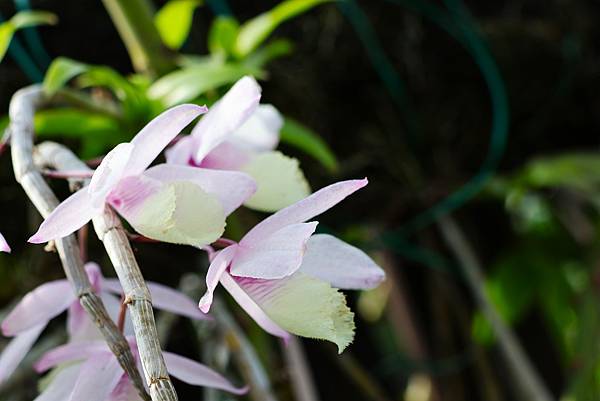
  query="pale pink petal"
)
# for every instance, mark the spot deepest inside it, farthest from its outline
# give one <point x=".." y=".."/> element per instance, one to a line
<point x="39" y="306"/>
<point x="72" y="214"/>
<point x="183" y="151"/>
<point x="108" y="173"/>
<point x="260" y="132"/>
<point x="131" y="193"/>
<point x="70" y="352"/>
<point x="303" y="210"/>
<point x="94" y="274"/>
<point x="231" y="187"/>
<point x="17" y="348"/>
<point x="276" y="256"/>
<point x="4" y="247"/>
<point x="227" y="156"/>
<point x="163" y="298"/>
<point x="167" y="299"/>
<point x="98" y="377"/>
<point x="340" y="264"/>
<point x="61" y="386"/>
<point x="196" y="374"/>
<point x="226" y="116"/>
<point x="251" y="308"/>
<point x="216" y="269"/>
<point x="124" y="391"/>
<point x="76" y="319"/>
<point x="158" y="133"/>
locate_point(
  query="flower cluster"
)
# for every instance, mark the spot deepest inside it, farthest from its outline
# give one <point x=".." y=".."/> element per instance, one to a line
<point x="281" y="273"/>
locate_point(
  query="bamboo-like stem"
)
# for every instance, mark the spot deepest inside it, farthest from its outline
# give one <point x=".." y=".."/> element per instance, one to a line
<point x="21" y="111"/>
<point x="134" y="21"/>
<point x="529" y="383"/>
<point x="137" y="296"/>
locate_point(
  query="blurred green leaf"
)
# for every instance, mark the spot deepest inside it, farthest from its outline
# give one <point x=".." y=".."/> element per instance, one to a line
<point x="253" y="32"/>
<point x="222" y="35"/>
<point x="96" y="132"/>
<point x="174" y="21"/>
<point x="576" y="171"/>
<point x="61" y="71"/>
<point x="23" y="19"/>
<point x="190" y="82"/>
<point x="295" y="134"/>
<point x="263" y="55"/>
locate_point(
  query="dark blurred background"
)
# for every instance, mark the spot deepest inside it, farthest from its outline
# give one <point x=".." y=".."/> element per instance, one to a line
<point x="401" y="101"/>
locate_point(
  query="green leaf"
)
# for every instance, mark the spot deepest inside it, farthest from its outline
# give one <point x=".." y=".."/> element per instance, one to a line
<point x="96" y="132"/>
<point x="295" y="134"/>
<point x="174" y="21"/>
<point x="263" y="55"/>
<point x="188" y="83"/>
<point x="61" y="71"/>
<point x="255" y="31"/>
<point x="23" y="19"/>
<point x="222" y="35"/>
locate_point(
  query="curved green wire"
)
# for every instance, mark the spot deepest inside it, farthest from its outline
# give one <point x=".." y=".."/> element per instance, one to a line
<point x="23" y="59"/>
<point x="32" y="38"/>
<point x="460" y="26"/>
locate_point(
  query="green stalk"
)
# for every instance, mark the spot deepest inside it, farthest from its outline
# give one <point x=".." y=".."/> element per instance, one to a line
<point x="134" y="21"/>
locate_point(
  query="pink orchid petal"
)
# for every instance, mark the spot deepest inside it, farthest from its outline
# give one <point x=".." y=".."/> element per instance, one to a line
<point x="167" y="299"/>
<point x="196" y="374"/>
<point x="4" y="247"/>
<point x="158" y="133"/>
<point x="303" y="210"/>
<point x="276" y="256"/>
<point x="70" y="352"/>
<point x="340" y="264"/>
<point x="131" y="193"/>
<point x="251" y="308"/>
<point x="15" y="351"/>
<point x="260" y="132"/>
<point x="76" y="320"/>
<point x="72" y="214"/>
<point x="61" y="385"/>
<point x="39" y="306"/>
<point x="124" y="391"/>
<point x="98" y="378"/>
<point x="227" y="156"/>
<point x="94" y="274"/>
<point x="164" y="298"/>
<point x="183" y="151"/>
<point x="226" y="115"/>
<point x="216" y="269"/>
<point x="231" y="187"/>
<point x="108" y="173"/>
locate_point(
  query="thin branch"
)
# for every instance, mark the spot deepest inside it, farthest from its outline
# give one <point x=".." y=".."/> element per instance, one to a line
<point x="529" y="382"/>
<point x="137" y="296"/>
<point x="303" y="384"/>
<point x="21" y="111"/>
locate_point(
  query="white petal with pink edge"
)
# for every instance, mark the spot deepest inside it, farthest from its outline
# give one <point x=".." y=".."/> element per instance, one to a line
<point x="72" y="214"/>
<point x="231" y="187"/>
<point x="196" y="374"/>
<point x="158" y="133"/>
<point x="17" y="348"/>
<point x="340" y="264"/>
<point x="4" y="247"/>
<point x="260" y="132"/>
<point x="304" y="210"/>
<point x="276" y="256"/>
<point x="226" y="116"/>
<point x="39" y="306"/>
<point x="216" y="269"/>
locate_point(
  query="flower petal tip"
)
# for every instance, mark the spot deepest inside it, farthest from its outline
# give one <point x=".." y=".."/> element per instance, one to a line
<point x="241" y="390"/>
<point x="205" y="303"/>
<point x="36" y="239"/>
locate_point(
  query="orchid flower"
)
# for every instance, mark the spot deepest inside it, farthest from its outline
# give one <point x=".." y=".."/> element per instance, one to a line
<point x="29" y="318"/>
<point x="238" y="133"/>
<point x="177" y="204"/>
<point x="286" y="278"/>
<point x="90" y="371"/>
<point x="4" y="247"/>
